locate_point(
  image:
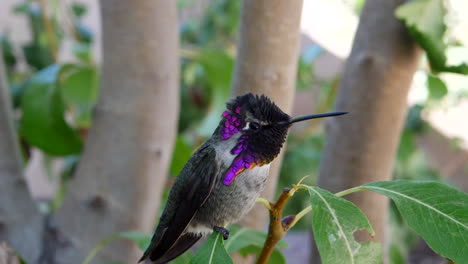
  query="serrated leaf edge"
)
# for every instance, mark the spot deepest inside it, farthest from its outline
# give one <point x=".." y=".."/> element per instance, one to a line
<point x="348" y="246"/>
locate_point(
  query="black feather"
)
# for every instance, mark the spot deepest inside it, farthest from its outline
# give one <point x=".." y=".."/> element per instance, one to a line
<point x="191" y="189"/>
<point x="267" y="142"/>
<point x="184" y="242"/>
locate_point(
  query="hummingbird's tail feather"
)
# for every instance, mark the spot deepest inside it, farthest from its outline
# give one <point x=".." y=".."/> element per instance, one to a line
<point x="186" y="241"/>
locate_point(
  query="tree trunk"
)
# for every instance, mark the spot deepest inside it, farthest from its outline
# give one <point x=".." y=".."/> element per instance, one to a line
<point x="121" y="175"/>
<point x="8" y="255"/>
<point x="266" y="64"/>
<point x="20" y="222"/>
<point x="361" y="146"/>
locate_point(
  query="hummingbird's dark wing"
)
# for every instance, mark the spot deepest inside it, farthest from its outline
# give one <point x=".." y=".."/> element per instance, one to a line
<point x="189" y="192"/>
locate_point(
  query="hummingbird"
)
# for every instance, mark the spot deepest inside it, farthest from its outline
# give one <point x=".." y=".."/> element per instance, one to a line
<point x="222" y="180"/>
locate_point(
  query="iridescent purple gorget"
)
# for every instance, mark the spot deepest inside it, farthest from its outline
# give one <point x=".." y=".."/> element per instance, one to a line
<point x="245" y="158"/>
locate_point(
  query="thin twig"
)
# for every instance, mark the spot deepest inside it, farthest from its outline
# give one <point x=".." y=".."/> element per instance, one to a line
<point x="49" y="30"/>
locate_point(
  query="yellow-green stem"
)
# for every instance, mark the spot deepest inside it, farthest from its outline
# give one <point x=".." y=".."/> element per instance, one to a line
<point x="300" y="215"/>
<point x="98" y="247"/>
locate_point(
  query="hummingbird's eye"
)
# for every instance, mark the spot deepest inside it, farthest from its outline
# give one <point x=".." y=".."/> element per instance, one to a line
<point x="254" y="126"/>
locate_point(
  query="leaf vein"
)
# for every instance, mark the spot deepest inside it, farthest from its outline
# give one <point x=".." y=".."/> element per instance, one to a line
<point x="348" y="246"/>
<point x="421" y="203"/>
<point x="213" y="250"/>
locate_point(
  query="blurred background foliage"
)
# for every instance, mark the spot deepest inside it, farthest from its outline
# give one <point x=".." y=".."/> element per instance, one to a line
<point x="54" y="99"/>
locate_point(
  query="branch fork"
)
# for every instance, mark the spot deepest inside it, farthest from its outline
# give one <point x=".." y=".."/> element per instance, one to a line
<point x="279" y="225"/>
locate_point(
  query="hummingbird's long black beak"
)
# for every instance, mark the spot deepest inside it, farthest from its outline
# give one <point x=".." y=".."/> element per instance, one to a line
<point x="307" y="117"/>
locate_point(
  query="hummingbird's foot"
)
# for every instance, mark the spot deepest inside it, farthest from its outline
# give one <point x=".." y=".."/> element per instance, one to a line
<point x="223" y="231"/>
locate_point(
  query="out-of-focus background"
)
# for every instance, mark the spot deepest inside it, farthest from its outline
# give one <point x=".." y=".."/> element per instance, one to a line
<point x="433" y="144"/>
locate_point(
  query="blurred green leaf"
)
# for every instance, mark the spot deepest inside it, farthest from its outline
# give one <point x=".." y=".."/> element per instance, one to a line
<point x="79" y="84"/>
<point x="183" y="259"/>
<point x="83" y="33"/>
<point x="439" y="213"/>
<point x="79" y="88"/>
<point x="42" y="122"/>
<point x="276" y="256"/>
<point x="7" y="51"/>
<point x="305" y="74"/>
<point x="219" y="25"/>
<point x="82" y="51"/>
<point x="218" y="67"/>
<point x="241" y="237"/>
<point x="414" y="122"/>
<point x="78" y="9"/>
<point x="21" y="8"/>
<point x="334" y="221"/>
<point x="191" y="70"/>
<point x="212" y="252"/>
<point x="358" y="5"/>
<point x="182" y="153"/>
<point x="38" y="56"/>
<point x="415" y="167"/>
<point x="425" y="22"/>
<point x="437" y="87"/>
<point x="142" y="240"/>
<point x="407" y="145"/>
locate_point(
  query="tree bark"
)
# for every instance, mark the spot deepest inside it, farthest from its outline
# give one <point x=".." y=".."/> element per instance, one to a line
<point x="266" y="64"/>
<point x="361" y="146"/>
<point x="7" y="255"/>
<point x="121" y="176"/>
<point x="20" y="222"/>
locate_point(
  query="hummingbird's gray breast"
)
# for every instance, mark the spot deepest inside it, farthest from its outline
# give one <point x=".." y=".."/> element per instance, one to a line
<point x="227" y="204"/>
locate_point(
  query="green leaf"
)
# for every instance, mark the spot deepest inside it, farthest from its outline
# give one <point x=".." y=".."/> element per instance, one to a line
<point x="425" y="22"/>
<point x="42" y="122"/>
<point x="142" y="240"/>
<point x="218" y="66"/>
<point x="79" y="84"/>
<point x="242" y="237"/>
<point x="83" y="52"/>
<point x="334" y="221"/>
<point x="407" y="145"/>
<point x="183" y="259"/>
<point x="212" y="252"/>
<point x="436" y="211"/>
<point x="79" y="88"/>
<point x="437" y="87"/>
<point x="38" y="56"/>
<point x="461" y="68"/>
<point x="78" y="9"/>
<point x="7" y="51"/>
<point x="276" y="256"/>
<point x="414" y="122"/>
<point x="401" y="238"/>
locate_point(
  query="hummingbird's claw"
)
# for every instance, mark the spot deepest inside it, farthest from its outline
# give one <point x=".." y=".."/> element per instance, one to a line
<point x="223" y="231"/>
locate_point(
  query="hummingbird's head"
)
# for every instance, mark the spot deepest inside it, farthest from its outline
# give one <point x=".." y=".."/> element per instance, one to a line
<point x="262" y="127"/>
